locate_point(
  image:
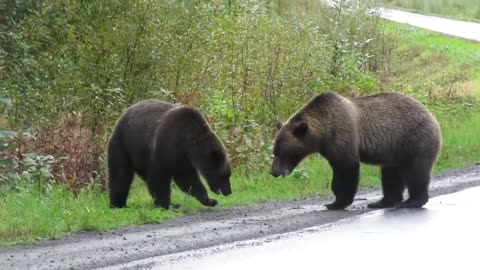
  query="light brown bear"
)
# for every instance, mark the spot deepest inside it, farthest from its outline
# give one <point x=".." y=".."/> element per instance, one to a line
<point x="391" y="130"/>
<point x="160" y="141"/>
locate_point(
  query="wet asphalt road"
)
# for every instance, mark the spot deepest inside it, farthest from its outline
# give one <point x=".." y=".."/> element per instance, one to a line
<point x="442" y="235"/>
<point x="455" y="28"/>
<point x="127" y="248"/>
<point x="462" y="29"/>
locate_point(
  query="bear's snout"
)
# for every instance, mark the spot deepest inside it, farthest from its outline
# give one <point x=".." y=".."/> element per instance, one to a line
<point x="226" y="189"/>
<point x="275" y="173"/>
<point x="279" y="168"/>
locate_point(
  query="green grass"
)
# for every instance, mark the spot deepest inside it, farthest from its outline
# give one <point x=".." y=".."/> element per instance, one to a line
<point x="29" y="214"/>
<point x="461" y="136"/>
<point x="59" y="212"/>
<point x="424" y="63"/>
<point x="476" y="82"/>
<point x="468" y="10"/>
<point x="461" y="49"/>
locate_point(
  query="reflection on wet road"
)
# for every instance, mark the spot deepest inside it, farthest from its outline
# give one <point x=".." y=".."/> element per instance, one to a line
<point x="456" y="28"/>
<point x="443" y="235"/>
<point x="462" y="29"/>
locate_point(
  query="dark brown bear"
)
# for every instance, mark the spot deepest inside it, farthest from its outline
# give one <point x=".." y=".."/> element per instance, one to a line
<point x="388" y="129"/>
<point x="160" y="141"/>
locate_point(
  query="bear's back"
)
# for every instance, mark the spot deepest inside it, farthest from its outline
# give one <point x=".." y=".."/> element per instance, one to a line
<point x="394" y="126"/>
<point x="139" y="121"/>
<point x="136" y="129"/>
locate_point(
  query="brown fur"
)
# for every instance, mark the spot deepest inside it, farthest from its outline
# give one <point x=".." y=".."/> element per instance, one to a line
<point x="387" y="129"/>
<point x="160" y="141"/>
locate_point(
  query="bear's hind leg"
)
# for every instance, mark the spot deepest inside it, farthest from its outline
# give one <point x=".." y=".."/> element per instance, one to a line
<point x="344" y="185"/>
<point x="393" y="187"/>
<point x="120" y="176"/>
<point x="187" y="179"/>
<point x="417" y="178"/>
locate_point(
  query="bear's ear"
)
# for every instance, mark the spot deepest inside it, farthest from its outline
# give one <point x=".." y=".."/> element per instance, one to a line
<point x="300" y="129"/>
<point x="279" y="124"/>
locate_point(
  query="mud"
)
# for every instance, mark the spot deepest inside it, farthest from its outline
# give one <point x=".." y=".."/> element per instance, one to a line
<point x="206" y="229"/>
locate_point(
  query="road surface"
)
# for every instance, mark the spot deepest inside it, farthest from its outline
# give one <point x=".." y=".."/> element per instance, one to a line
<point x="461" y="29"/>
<point x="443" y="235"/>
<point x="116" y="249"/>
<point x="454" y="28"/>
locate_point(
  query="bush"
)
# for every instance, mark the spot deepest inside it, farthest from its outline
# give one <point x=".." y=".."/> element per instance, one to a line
<point x="74" y="66"/>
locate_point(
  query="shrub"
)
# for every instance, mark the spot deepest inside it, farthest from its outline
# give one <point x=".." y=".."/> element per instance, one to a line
<point x="74" y="66"/>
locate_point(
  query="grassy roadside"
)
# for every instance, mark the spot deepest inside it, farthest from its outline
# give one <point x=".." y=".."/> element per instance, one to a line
<point x="438" y="66"/>
<point x="425" y="63"/>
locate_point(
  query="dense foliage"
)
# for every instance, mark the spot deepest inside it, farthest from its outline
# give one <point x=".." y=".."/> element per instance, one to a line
<point x="74" y="66"/>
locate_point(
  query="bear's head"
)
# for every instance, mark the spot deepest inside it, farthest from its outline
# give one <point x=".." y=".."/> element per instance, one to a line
<point x="292" y="145"/>
<point x="211" y="160"/>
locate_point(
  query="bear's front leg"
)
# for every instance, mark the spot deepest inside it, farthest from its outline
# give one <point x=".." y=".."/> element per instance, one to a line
<point x="161" y="195"/>
<point x="188" y="180"/>
<point x="158" y="183"/>
<point x="205" y="200"/>
<point x="200" y="193"/>
<point x="344" y="185"/>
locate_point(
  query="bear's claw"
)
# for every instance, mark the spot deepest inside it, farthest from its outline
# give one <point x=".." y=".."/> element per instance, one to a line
<point x="383" y="204"/>
<point x="209" y="202"/>
<point x="337" y="205"/>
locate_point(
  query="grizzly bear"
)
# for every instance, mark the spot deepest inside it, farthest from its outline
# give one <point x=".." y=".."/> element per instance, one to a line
<point x="160" y="141"/>
<point x="391" y="130"/>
